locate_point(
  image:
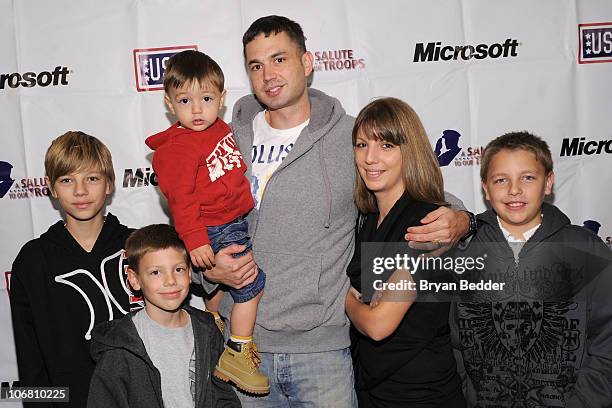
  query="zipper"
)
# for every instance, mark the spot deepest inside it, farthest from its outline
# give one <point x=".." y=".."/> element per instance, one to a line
<point x="268" y="184"/>
<point x="261" y="206"/>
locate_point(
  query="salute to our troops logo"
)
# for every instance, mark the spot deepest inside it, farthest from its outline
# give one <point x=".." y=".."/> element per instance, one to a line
<point x="150" y="64"/>
<point x="337" y="60"/>
<point x="6" y="182"/>
<point x="595" y="43"/>
<point x="594" y="226"/>
<point x="448" y="150"/>
<point x="21" y="188"/>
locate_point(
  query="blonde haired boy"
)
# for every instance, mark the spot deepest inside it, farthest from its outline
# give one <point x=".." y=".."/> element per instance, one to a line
<point x="67" y="280"/>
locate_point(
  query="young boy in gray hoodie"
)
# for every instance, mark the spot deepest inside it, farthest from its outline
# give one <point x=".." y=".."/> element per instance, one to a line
<point x="163" y="355"/>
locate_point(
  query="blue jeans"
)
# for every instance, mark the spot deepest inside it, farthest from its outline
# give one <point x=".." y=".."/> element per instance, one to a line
<point x="237" y="232"/>
<point x="314" y="380"/>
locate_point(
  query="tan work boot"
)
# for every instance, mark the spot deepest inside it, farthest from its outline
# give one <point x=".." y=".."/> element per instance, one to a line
<point x="239" y="363"/>
<point x="219" y="322"/>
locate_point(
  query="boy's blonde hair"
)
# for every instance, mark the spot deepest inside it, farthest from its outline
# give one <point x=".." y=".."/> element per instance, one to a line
<point x="152" y="238"/>
<point x="75" y="151"/>
<point x="190" y="67"/>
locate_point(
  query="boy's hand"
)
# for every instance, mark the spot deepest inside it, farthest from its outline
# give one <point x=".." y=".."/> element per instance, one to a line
<point x="203" y="257"/>
<point x="443" y="226"/>
<point x="230" y="271"/>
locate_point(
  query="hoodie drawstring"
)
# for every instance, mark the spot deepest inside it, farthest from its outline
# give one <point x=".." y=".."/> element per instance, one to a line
<point x="327" y="185"/>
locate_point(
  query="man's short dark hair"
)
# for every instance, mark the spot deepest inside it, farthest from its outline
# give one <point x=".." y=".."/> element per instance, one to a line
<point x="513" y="141"/>
<point x="152" y="238"/>
<point x="273" y="25"/>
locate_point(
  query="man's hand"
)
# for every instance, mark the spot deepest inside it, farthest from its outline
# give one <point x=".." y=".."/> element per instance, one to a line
<point x="230" y="271"/>
<point x="443" y="226"/>
<point x="203" y="257"/>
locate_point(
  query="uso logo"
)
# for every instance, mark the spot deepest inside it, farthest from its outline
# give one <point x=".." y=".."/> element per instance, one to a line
<point x="150" y="63"/>
<point x="595" y="43"/>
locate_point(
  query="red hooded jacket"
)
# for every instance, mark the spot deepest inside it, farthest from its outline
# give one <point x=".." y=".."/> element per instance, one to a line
<point x="201" y="173"/>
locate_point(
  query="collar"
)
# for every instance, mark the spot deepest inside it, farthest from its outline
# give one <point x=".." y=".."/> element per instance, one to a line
<point x="527" y="234"/>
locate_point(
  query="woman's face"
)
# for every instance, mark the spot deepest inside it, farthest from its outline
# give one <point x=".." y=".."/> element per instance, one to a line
<point x="380" y="165"/>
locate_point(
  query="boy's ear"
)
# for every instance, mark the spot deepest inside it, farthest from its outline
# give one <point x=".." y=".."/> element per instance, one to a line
<point x="48" y="181"/>
<point x="109" y="187"/>
<point x="168" y="104"/>
<point x="486" y="191"/>
<point x="133" y="278"/>
<point x="548" y="183"/>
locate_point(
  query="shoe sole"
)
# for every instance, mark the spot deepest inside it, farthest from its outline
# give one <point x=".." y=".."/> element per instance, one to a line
<point x="227" y="377"/>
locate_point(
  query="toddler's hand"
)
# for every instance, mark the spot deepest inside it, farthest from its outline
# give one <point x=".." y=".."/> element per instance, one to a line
<point x="203" y="256"/>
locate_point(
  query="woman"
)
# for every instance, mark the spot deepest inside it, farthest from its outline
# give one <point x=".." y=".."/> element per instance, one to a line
<point x="401" y="348"/>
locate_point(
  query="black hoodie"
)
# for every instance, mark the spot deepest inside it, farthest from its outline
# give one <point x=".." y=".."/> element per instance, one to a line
<point x="58" y="293"/>
<point x="125" y="376"/>
<point x="546" y="340"/>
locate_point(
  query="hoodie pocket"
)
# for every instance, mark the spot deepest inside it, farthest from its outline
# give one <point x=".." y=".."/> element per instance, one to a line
<point x="291" y="298"/>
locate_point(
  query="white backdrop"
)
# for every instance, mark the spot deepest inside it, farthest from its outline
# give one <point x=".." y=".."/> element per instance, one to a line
<point x="539" y="66"/>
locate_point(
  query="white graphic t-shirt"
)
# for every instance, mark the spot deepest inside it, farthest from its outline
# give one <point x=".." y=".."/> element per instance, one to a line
<point x="270" y="147"/>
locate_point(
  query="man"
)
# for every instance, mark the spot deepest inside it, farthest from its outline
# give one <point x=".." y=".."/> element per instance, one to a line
<point x="297" y="145"/>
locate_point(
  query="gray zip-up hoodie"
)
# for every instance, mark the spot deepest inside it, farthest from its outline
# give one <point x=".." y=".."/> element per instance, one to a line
<point x="303" y="232"/>
<point x="125" y="376"/>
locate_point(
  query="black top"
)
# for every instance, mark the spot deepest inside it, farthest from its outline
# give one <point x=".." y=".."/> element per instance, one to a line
<point x="415" y="364"/>
<point x="58" y="293"/>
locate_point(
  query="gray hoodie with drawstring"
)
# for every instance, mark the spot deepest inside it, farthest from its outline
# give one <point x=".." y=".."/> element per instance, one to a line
<point x="303" y="232"/>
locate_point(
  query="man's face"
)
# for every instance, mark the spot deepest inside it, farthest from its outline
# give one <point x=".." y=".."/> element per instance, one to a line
<point x="278" y="71"/>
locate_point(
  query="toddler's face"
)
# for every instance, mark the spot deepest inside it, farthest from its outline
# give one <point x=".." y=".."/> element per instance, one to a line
<point x="196" y="107"/>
